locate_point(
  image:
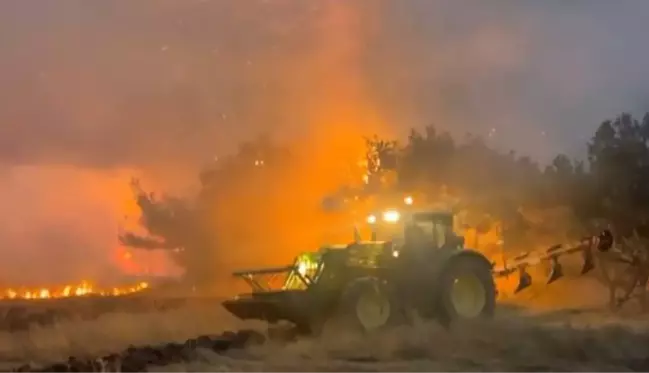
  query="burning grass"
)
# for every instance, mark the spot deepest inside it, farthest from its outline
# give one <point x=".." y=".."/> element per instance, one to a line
<point x="84" y="288"/>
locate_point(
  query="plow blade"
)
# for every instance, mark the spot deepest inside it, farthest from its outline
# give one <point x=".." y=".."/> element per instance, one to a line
<point x="524" y="280"/>
<point x="602" y="242"/>
<point x="589" y="262"/>
<point x="556" y="272"/>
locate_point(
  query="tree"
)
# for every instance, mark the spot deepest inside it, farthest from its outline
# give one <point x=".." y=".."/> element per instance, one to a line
<point x="197" y="231"/>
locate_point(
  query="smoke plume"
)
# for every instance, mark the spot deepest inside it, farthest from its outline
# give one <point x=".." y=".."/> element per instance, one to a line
<point x="94" y="91"/>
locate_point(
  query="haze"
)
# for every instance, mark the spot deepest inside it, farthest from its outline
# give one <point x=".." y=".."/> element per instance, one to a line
<point x="94" y="91"/>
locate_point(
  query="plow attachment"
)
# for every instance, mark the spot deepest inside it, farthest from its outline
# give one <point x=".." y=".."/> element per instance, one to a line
<point x="519" y="264"/>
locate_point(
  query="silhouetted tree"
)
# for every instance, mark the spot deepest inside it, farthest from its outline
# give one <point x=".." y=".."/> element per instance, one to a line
<point x="194" y="231"/>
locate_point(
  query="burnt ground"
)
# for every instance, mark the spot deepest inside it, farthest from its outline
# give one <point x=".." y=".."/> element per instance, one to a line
<point x="560" y="329"/>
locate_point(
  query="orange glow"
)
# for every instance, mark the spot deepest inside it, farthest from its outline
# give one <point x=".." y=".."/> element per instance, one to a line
<point x="82" y="289"/>
<point x="336" y="112"/>
<point x="89" y="204"/>
<point x="70" y="216"/>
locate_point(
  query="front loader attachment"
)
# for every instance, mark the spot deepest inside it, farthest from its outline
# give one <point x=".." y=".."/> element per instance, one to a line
<point x="519" y="264"/>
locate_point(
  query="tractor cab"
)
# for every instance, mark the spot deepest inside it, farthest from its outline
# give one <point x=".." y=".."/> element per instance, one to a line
<point x="424" y="229"/>
<point x="432" y="229"/>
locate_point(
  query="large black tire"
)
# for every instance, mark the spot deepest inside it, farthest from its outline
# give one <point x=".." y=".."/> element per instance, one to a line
<point x="465" y="290"/>
<point x="366" y="305"/>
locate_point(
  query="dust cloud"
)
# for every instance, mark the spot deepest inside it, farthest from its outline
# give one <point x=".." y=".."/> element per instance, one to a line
<point x="93" y="92"/>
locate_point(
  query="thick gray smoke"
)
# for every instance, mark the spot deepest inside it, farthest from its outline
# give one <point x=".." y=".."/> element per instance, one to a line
<point x="108" y="83"/>
<point x="158" y="86"/>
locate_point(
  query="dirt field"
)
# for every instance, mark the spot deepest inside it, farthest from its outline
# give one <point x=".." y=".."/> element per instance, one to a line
<point x="543" y="336"/>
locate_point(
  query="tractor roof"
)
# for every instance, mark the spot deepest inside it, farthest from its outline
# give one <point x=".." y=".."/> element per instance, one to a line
<point x="429" y="214"/>
<point x="432" y="214"/>
<point x="334" y="246"/>
<point x="347" y="245"/>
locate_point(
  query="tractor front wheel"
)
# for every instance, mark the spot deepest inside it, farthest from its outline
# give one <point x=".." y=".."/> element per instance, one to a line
<point x="466" y="290"/>
<point x="367" y="305"/>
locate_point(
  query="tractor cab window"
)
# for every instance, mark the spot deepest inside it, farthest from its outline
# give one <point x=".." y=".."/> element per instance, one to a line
<point x="422" y="231"/>
<point x="432" y="229"/>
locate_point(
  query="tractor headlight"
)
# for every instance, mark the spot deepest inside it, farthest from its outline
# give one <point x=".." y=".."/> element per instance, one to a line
<point x="371" y="219"/>
<point x="408" y="200"/>
<point x="302" y="268"/>
<point x="395" y="254"/>
<point x="391" y="216"/>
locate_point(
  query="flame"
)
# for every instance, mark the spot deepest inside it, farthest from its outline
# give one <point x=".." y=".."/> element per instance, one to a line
<point x="82" y="289"/>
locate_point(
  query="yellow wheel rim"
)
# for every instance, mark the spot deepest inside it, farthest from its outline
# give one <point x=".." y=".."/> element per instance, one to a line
<point x="372" y="311"/>
<point x="468" y="296"/>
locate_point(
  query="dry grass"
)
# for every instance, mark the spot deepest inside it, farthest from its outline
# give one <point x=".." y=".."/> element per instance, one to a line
<point x="110" y="333"/>
<point x="544" y="337"/>
<point x="511" y="343"/>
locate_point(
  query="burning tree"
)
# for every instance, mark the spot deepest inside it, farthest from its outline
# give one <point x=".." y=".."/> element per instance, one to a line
<point x="194" y="231"/>
<point x="174" y="225"/>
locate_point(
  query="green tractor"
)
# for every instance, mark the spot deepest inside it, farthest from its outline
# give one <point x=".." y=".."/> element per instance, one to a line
<point x="422" y="268"/>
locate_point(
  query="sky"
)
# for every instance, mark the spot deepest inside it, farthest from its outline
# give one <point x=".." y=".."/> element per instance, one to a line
<point x="95" y="91"/>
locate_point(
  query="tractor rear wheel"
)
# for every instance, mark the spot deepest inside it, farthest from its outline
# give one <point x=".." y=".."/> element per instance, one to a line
<point x="466" y="291"/>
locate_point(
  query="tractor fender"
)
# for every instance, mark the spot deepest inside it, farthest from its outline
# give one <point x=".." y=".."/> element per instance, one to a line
<point x="474" y="254"/>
